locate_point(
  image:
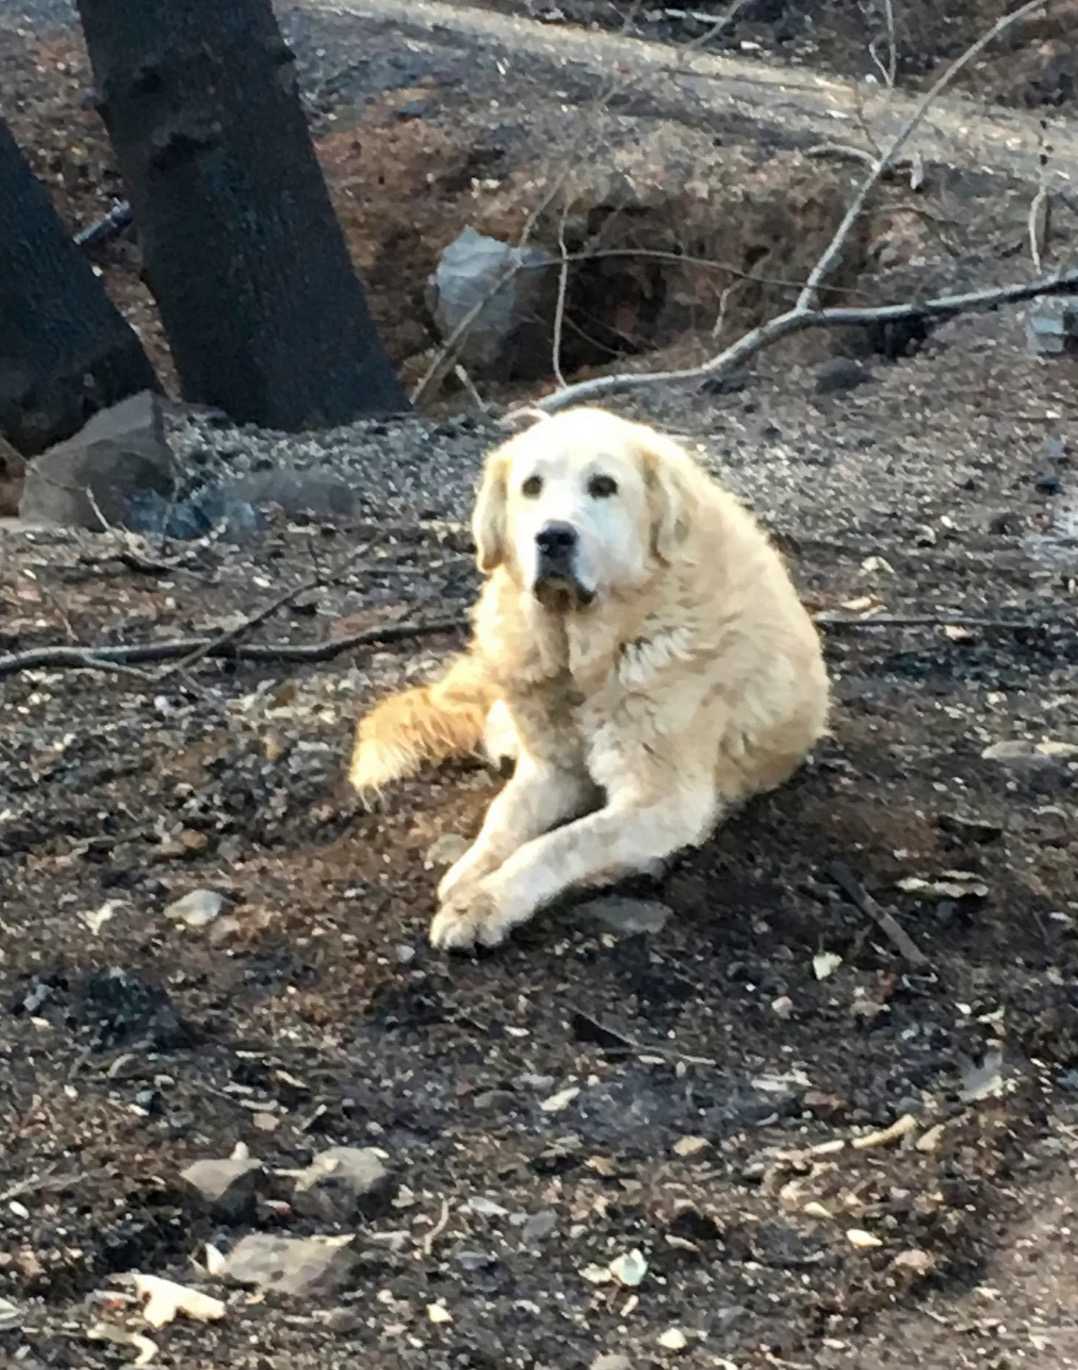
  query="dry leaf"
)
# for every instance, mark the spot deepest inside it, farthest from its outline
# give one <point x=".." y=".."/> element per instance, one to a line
<point x="163" y="1299"/>
<point x="120" y="1336"/>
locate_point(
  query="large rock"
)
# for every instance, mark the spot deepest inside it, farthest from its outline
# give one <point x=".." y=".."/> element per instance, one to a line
<point x="292" y="1265"/>
<point x="341" y="1181"/>
<point x="512" y="331"/>
<point x="228" y="1187"/>
<point x="12" y="478"/>
<point x="119" y="462"/>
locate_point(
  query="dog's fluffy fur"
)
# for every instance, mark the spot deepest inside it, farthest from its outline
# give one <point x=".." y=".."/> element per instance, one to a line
<point x="667" y="674"/>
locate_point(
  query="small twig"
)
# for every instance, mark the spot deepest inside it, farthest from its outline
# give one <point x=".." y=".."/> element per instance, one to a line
<point x="477" y="399"/>
<point x="559" y="304"/>
<point x="898" y="936"/>
<point x="437" y="1230"/>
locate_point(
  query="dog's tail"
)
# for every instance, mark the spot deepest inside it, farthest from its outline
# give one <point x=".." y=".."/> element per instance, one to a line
<point x="428" y="723"/>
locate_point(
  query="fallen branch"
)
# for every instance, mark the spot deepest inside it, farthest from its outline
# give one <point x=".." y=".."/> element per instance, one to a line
<point x="217" y="645"/>
<point x="896" y="934"/>
<point x="225" y="646"/>
<point x="806" y="313"/>
<point x="1001" y="625"/>
<point x="798" y="320"/>
<point x="106" y="658"/>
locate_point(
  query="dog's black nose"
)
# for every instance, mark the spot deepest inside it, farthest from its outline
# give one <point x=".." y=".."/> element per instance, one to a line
<point x="556" y="539"/>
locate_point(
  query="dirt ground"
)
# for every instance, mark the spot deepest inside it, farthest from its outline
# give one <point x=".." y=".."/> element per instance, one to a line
<point x="718" y="1063"/>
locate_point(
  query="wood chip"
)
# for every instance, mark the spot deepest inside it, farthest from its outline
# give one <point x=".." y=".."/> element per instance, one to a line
<point x="898" y="1129"/>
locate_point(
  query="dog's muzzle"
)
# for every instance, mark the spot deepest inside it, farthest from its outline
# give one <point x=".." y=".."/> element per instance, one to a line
<point x="557" y="585"/>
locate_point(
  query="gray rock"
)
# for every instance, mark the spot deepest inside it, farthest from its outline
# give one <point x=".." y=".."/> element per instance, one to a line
<point x="120" y="460"/>
<point x="626" y="915"/>
<point x="12" y="478"/>
<point x="292" y="1265"/>
<point x="840" y="373"/>
<point x="227" y="1187"/>
<point x="296" y="492"/>
<point x="341" y="1181"/>
<point x="1051" y="325"/>
<point x="538" y="1226"/>
<point x="611" y="1362"/>
<point x="510" y="336"/>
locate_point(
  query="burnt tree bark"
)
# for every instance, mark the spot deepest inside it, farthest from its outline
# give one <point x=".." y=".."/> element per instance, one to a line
<point x="65" y="350"/>
<point x="265" y="314"/>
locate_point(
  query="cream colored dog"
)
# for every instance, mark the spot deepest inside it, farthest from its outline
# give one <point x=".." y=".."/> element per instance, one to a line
<point x="638" y="647"/>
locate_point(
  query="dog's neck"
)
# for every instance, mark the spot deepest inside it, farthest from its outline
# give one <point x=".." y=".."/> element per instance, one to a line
<point x="537" y="644"/>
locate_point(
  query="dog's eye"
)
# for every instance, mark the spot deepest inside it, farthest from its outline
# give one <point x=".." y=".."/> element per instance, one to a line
<point x="602" y="487"/>
<point x="532" y="486"/>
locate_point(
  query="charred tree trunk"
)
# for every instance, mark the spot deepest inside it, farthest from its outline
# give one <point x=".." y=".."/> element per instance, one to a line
<point x="264" y="311"/>
<point x="65" y="351"/>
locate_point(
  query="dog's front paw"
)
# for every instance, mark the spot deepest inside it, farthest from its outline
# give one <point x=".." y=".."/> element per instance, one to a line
<point x="472" y="867"/>
<point x="469" y="918"/>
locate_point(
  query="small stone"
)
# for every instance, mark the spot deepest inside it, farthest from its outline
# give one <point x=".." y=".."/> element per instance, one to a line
<point x="914" y="1262"/>
<point x="227" y="1187"/>
<point x="10" y="1317"/>
<point x="782" y="1007"/>
<point x="840" y="373"/>
<point x="627" y="916"/>
<point x="445" y="850"/>
<point x="611" y="1362"/>
<point x="690" y="1146"/>
<point x="438" y="1313"/>
<point x="557" y="1103"/>
<point x="485" y="1207"/>
<point x="292" y="1265"/>
<point x="629" y="1269"/>
<point x="864" y="1241"/>
<point x="673" y="1339"/>
<point x="341" y="1181"/>
<point x="538" y="1226"/>
<point x="197" y="909"/>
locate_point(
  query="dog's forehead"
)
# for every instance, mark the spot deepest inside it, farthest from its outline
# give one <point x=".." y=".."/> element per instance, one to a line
<point x="560" y="456"/>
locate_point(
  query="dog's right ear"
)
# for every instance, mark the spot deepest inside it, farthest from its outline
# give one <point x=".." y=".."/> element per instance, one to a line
<point x="488" y="520"/>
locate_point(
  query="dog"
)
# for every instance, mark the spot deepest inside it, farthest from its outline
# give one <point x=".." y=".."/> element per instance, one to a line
<point x="638" y="650"/>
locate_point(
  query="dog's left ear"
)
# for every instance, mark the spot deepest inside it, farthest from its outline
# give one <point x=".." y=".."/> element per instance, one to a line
<point x="668" y="474"/>
<point x="488" y="520"/>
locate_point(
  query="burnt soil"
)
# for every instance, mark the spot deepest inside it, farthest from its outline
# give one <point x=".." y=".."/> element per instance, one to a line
<point x="710" y="1057"/>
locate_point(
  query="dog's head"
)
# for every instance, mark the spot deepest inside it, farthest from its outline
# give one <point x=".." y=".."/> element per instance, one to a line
<point x="583" y="505"/>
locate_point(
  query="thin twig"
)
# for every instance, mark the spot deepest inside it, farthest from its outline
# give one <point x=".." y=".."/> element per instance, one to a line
<point x="897" y="935"/>
<point x="559" y="305"/>
<point x="437" y="1230"/>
